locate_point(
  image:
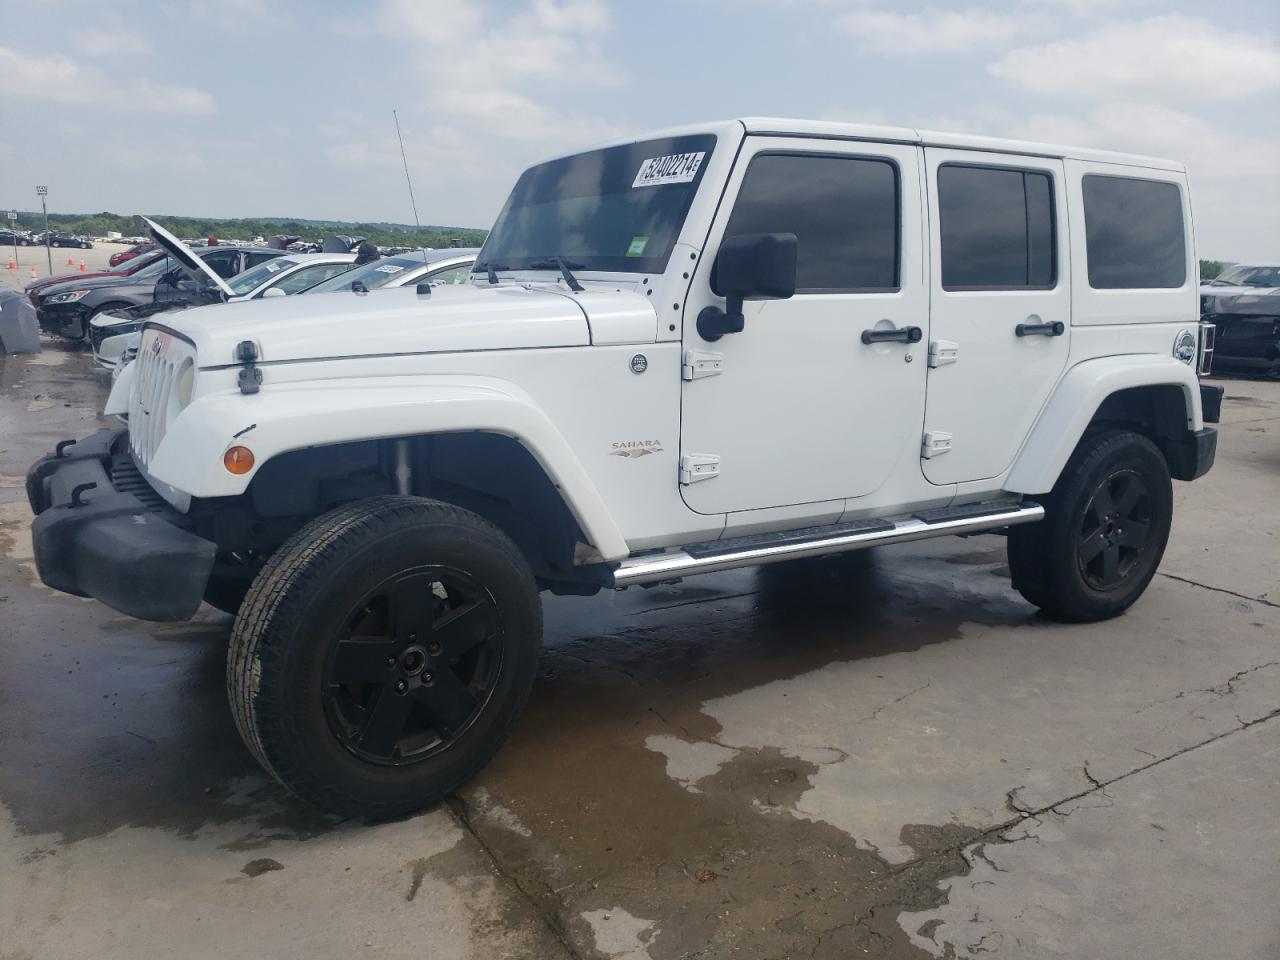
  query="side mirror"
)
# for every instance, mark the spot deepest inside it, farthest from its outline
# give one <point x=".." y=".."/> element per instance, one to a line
<point x="273" y="292"/>
<point x="753" y="266"/>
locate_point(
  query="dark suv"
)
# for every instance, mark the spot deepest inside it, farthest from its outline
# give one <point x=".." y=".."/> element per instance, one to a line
<point x="67" y="308"/>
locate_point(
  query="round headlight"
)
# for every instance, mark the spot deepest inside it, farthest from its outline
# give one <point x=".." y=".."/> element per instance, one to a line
<point x="1184" y="346"/>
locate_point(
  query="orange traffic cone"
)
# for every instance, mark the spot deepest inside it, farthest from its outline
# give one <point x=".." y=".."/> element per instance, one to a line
<point x="33" y="274"/>
<point x="69" y="262"/>
<point x="12" y="263"/>
<point x="82" y="264"/>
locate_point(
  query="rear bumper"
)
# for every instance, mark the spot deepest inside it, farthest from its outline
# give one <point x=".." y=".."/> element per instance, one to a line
<point x="116" y="540"/>
<point x="1191" y="456"/>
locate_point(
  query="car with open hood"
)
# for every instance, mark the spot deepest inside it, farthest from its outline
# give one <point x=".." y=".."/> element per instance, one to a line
<point x="695" y="350"/>
<point x="183" y="276"/>
<point x="280" y="275"/>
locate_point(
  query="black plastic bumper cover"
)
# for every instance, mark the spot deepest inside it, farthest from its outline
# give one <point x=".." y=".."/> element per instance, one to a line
<point x="108" y="544"/>
<point x="1191" y="456"/>
<point x="1211" y="402"/>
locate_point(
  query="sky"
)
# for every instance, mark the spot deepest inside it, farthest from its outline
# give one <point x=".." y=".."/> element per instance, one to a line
<point x="240" y="108"/>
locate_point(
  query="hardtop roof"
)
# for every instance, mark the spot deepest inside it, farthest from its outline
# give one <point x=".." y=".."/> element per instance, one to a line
<point x="832" y="130"/>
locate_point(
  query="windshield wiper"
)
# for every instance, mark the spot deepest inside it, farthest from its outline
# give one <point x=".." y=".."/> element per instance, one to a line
<point x="564" y="266"/>
<point x="491" y="269"/>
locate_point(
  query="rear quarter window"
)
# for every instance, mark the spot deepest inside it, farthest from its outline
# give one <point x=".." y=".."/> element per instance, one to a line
<point x="1134" y="234"/>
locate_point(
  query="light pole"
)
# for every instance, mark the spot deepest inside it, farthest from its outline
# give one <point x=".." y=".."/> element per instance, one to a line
<point x="13" y="230"/>
<point x="43" y="192"/>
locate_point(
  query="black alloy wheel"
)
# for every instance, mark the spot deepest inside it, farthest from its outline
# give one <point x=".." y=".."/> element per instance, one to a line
<point x="382" y="654"/>
<point x="413" y="666"/>
<point x="1103" y="535"/>
<point x="1115" y="530"/>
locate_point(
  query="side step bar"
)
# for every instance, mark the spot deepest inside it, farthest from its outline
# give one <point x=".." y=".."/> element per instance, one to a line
<point x="817" y="541"/>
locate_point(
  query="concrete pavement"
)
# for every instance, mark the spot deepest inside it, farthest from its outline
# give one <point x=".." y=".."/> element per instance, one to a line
<point x="887" y="754"/>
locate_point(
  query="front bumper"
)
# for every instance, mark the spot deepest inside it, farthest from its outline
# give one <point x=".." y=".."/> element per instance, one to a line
<point x="69" y="320"/>
<point x="101" y="531"/>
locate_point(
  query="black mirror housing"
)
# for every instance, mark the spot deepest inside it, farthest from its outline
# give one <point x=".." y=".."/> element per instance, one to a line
<point x="752" y="266"/>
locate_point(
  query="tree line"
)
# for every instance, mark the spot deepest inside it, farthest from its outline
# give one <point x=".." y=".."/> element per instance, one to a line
<point x="383" y="234"/>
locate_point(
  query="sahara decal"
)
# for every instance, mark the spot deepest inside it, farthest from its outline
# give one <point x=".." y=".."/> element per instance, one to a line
<point x="634" y="449"/>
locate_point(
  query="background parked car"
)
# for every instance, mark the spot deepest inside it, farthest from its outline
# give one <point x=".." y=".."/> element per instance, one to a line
<point x="9" y="238"/>
<point x="35" y="288"/>
<point x="68" y="308"/>
<point x="1247" y="338"/>
<point x="433" y="266"/>
<point x="122" y="255"/>
<point x="58" y="238"/>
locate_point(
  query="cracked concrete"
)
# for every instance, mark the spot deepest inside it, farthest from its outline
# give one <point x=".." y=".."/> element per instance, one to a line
<point x="886" y="754"/>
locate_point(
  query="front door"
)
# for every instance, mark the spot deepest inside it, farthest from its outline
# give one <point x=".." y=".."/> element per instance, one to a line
<point x="797" y="409"/>
<point x="1001" y="307"/>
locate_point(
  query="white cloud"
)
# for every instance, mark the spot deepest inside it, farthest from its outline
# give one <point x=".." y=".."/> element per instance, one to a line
<point x="97" y="42"/>
<point x="482" y="62"/>
<point x="1154" y="130"/>
<point x="1169" y="58"/>
<point x="57" y="79"/>
<point x="934" y="31"/>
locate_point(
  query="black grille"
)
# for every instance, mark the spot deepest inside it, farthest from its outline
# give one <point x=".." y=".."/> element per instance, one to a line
<point x="126" y="478"/>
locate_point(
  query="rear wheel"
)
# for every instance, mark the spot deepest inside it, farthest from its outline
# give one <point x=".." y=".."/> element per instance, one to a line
<point x="1106" y="525"/>
<point x="383" y="653"/>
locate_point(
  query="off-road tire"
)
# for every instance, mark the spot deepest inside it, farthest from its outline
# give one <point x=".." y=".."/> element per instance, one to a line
<point x="279" y="646"/>
<point x="1045" y="558"/>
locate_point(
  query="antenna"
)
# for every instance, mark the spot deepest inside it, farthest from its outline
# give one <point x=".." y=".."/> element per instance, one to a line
<point x="412" y="202"/>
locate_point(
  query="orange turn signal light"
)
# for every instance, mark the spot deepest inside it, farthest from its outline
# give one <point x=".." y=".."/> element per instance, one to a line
<point x="238" y="460"/>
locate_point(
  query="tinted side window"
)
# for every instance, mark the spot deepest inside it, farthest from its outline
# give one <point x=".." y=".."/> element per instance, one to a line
<point x="1133" y="233"/>
<point x="453" y="275"/>
<point x="224" y="265"/>
<point x="844" y="210"/>
<point x="997" y="228"/>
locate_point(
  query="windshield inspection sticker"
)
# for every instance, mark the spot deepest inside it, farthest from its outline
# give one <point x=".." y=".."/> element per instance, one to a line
<point x="389" y="268"/>
<point x="637" y="246"/>
<point x="677" y="168"/>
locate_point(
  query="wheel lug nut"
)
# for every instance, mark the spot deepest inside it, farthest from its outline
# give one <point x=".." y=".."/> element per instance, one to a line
<point x="433" y="648"/>
<point x="391" y="662"/>
<point x="426" y="678"/>
<point x="401" y="686"/>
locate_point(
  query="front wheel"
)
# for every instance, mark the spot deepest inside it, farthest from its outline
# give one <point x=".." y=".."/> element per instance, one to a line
<point x="1105" y="528"/>
<point x="383" y="654"/>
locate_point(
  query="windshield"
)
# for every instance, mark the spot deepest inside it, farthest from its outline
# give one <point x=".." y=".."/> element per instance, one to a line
<point x="133" y="263"/>
<point x="1244" y="276"/>
<point x="619" y="209"/>
<point x="154" y="269"/>
<point x="373" y="275"/>
<point x="254" y="277"/>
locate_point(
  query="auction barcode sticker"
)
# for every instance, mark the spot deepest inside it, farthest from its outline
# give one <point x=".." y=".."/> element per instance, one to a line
<point x="677" y="168"/>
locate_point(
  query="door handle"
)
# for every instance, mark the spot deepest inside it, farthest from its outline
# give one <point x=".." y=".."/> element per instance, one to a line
<point x="1054" y="329"/>
<point x="900" y="335"/>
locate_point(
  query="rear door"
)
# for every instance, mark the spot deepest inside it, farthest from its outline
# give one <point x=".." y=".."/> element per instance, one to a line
<point x="1000" y="306"/>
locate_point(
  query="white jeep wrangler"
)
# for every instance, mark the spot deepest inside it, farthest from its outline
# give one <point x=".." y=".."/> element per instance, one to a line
<point x="712" y="347"/>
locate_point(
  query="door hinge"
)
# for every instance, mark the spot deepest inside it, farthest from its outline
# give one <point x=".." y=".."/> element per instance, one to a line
<point x="936" y="443"/>
<point x="696" y="364"/>
<point x="942" y="352"/>
<point x="698" y="466"/>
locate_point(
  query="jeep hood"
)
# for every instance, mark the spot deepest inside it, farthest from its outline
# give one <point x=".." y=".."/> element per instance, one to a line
<point x="384" y="322"/>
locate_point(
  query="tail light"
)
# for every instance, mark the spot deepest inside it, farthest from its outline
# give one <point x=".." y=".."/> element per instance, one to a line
<point x="1207" y="335"/>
